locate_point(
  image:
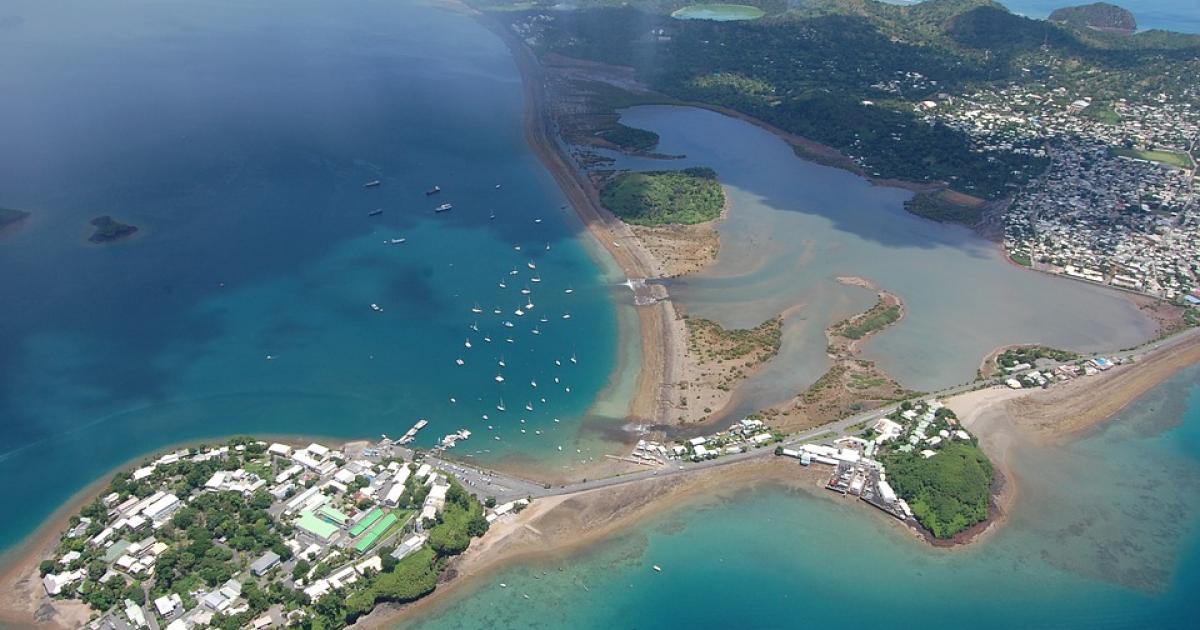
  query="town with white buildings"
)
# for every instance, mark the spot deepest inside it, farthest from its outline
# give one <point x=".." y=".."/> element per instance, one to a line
<point x="1117" y="203"/>
<point x="253" y="534"/>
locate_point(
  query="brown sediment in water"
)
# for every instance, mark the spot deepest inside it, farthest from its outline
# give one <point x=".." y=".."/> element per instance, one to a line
<point x="557" y="526"/>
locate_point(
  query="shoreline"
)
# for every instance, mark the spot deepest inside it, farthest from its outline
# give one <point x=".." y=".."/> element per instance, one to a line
<point x="23" y="604"/>
<point x="659" y="339"/>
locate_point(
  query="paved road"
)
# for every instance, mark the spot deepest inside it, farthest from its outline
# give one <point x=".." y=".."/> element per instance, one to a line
<point x="508" y="487"/>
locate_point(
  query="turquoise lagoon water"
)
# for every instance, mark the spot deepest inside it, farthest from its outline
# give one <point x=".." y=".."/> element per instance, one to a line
<point x="238" y="136"/>
<point x="1105" y="534"/>
<point x="795" y="226"/>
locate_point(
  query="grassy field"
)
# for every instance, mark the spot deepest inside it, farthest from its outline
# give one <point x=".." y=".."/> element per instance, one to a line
<point x="1170" y="158"/>
<point x="652" y="198"/>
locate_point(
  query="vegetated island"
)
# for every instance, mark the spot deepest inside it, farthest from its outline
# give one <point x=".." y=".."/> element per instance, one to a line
<point x="652" y="198"/>
<point x="716" y="359"/>
<point x="851" y="385"/>
<point x="1101" y="16"/>
<point x="9" y="216"/>
<point x="109" y="229"/>
<point x="942" y="474"/>
<point x="250" y="534"/>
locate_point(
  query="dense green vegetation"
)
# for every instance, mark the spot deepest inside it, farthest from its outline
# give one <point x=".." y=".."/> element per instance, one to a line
<point x="935" y="207"/>
<point x="1096" y="15"/>
<point x="878" y="317"/>
<point x="8" y="216"/>
<point x="660" y="197"/>
<point x="630" y="138"/>
<point x="1030" y="354"/>
<point x="947" y="492"/>
<point x="810" y="69"/>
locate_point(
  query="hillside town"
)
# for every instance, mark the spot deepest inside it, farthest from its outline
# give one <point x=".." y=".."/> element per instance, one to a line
<point x="251" y="534"/>
<point x="1117" y="203"/>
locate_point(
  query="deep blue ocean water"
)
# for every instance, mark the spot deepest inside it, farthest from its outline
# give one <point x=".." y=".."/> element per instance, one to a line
<point x="238" y="137"/>
<point x="1105" y="534"/>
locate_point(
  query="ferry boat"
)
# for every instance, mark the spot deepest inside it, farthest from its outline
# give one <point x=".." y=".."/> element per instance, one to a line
<point x="377" y="308"/>
<point x="376" y="212"/>
<point x="372" y="184"/>
<point x="433" y="191"/>
<point x="444" y="207"/>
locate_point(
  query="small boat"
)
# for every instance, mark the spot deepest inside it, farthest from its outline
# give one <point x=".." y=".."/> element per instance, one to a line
<point x="497" y="186"/>
<point x="475" y="326"/>
<point x="376" y="212"/>
<point x="557" y="362"/>
<point x="460" y="361"/>
<point x="529" y="305"/>
<point x="508" y="324"/>
<point x="501" y="406"/>
<point x="569" y="290"/>
<point x="568" y="390"/>
<point x="517" y="247"/>
<point x="573" y="359"/>
<point x="433" y="191"/>
<point x="533" y="384"/>
<point x="537" y="220"/>
<point x="444" y="207"/>
<point x="514" y="272"/>
<point x="531" y="265"/>
<point x="487" y="340"/>
<point x="377" y="308"/>
<point x="492" y="216"/>
<point x="372" y="184"/>
<point x="657" y="568"/>
<point x="547" y="246"/>
<point x="467" y="343"/>
<point x="518" y="312"/>
<point x="510" y="340"/>
<point x="496" y="311"/>
<point x="556" y="380"/>
<point x="526" y="291"/>
<point x="536" y="331"/>
<point x="556" y="419"/>
<point x="543" y="319"/>
<point x="476" y="309"/>
<point x="502" y="285"/>
<point x="499" y="378"/>
<point x="528" y="406"/>
<point x="535" y="279"/>
<point x="566" y="316"/>
<point x="501" y="362"/>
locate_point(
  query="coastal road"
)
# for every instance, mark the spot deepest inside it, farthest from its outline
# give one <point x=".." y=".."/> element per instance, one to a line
<point x="508" y="487"/>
